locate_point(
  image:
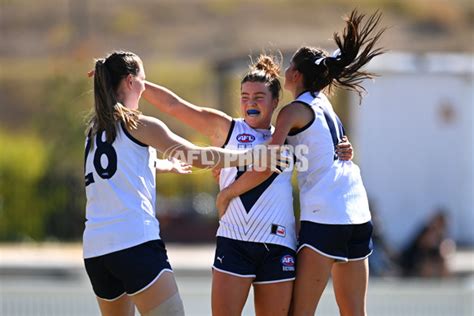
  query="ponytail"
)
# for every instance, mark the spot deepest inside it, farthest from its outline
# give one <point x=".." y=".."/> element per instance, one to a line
<point x="107" y="110"/>
<point x="342" y="69"/>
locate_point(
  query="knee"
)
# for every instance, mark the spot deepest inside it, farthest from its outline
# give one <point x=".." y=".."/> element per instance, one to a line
<point x="171" y="307"/>
<point x="352" y="311"/>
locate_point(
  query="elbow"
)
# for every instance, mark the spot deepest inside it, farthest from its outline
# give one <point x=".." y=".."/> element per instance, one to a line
<point x="265" y="173"/>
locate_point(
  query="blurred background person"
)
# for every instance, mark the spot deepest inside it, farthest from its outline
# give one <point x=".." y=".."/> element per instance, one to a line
<point x="426" y="255"/>
<point x="383" y="260"/>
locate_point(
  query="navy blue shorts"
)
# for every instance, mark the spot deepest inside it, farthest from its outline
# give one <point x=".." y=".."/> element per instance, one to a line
<point x="265" y="263"/>
<point x="340" y="242"/>
<point x="130" y="270"/>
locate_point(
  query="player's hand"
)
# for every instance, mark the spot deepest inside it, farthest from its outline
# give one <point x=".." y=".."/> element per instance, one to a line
<point x="180" y="167"/>
<point x="91" y="73"/>
<point x="173" y="165"/>
<point x="222" y="202"/>
<point x="271" y="157"/>
<point x="344" y="149"/>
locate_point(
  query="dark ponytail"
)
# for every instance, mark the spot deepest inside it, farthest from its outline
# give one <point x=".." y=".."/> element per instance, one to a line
<point x="342" y="69"/>
<point x="109" y="72"/>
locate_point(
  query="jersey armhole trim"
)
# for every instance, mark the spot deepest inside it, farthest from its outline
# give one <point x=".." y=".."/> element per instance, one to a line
<point x="231" y="129"/>
<point x="302" y="129"/>
<point x="133" y="139"/>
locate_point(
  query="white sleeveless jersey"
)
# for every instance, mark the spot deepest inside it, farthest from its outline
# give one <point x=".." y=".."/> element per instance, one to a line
<point x="265" y="213"/>
<point x="120" y="189"/>
<point x="331" y="190"/>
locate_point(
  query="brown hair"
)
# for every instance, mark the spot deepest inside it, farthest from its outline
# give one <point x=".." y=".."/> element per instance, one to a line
<point x="266" y="69"/>
<point x="109" y="72"/>
<point x="342" y="70"/>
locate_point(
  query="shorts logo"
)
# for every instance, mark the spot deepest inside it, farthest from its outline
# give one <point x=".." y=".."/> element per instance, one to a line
<point x="245" y="138"/>
<point x="288" y="263"/>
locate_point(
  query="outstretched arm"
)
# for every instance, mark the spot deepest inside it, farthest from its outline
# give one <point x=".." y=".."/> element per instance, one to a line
<point x="287" y="119"/>
<point x="213" y="123"/>
<point x="155" y="133"/>
<point x="210" y="122"/>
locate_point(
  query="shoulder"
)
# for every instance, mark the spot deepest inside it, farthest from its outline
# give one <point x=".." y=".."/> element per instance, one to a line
<point x="146" y="122"/>
<point x="148" y="128"/>
<point x="240" y="122"/>
<point x="296" y="111"/>
<point x="147" y="119"/>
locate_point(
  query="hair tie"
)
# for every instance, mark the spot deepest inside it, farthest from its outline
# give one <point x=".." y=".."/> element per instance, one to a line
<point x="336" y="53"/>
<point x="319" y="60"/>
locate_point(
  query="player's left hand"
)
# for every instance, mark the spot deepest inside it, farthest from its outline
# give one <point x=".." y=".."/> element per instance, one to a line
<point x="344" y="149"/>
<point x="222" y="202"/>
<point x="173" y="165"/>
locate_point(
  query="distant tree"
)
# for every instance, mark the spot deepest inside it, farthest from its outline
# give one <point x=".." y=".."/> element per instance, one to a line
<point x="22" y="165"/>
<point x="61" y="124"/>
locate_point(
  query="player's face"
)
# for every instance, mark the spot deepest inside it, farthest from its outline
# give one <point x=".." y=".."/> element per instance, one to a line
<point x="290" y="77"/>
<point x="139" y="82"/>
<point x="135" y="85"/>
<point x="257" y="104"/>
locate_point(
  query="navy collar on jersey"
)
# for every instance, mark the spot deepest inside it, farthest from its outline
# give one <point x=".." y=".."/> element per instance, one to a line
<point x="303" y="92"/>
<point x="259" y="129"/>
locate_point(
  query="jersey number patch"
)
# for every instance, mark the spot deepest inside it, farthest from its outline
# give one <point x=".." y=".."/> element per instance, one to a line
<point x="103" y="148"/>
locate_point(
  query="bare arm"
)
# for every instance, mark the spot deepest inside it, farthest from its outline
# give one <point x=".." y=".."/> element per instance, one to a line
<point x="155" y="133"/>
<point x="290" y="117"/>
<point x="213" y="123"/>
<point x="286" y="120"/>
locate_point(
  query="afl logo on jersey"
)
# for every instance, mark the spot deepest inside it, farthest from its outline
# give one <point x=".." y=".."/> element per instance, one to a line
<point x="245" y="138"/>
<point x="288" y="263"/>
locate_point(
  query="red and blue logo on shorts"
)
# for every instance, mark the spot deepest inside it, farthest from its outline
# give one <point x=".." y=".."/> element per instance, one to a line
<point x="288" y="263"/>
<point x="245" y="138"/>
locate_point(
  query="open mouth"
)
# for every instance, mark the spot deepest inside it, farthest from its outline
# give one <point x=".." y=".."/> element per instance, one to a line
<point x="253" y="112"/>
